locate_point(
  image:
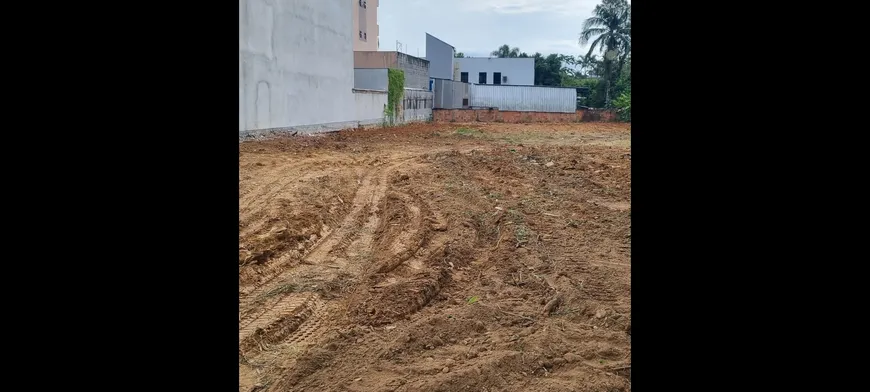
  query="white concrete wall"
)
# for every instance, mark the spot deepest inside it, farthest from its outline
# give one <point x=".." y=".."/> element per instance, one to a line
<point x="520" y="71"/>
<point x="369" y="106"/>
<point x="295" y="64"/>
<point x="416" y="105"/>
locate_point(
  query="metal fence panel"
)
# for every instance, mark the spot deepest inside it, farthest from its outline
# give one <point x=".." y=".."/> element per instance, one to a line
<point x="524" y="98"/>
<point x="449" y="94"/>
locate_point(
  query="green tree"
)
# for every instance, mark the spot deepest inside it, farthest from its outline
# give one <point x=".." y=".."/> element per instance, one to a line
<point x="506" y="51"/>
<point x="589" y="65"/>
<point x="459" y="55"/>
<point x="623" y="106"/>
<point x="550" y="70"/>
<point x="611" y="24"/>
<point x="623" y="84"/>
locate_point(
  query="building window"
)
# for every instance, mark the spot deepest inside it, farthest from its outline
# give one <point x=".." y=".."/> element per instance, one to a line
<point x="364" y="4"/>
<point x="496" y="78"/>
<point x="463" y="77"/>
<point x="365" y="36"/>
<point x="481" y="78"/>
<point x="360" y="33"/>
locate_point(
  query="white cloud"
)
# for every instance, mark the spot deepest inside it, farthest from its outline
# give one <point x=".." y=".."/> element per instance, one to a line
<point x="477" y="27"/>
<point x="563" y="7"/>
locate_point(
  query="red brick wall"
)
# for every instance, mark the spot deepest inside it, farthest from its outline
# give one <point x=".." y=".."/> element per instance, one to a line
<point x="495" y="115"/>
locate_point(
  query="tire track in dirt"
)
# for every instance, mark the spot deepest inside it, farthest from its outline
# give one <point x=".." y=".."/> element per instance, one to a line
<point x="270" y="323"/>
<point x="403" y="246"/>
<point x="272" y="216"/>
<point x="408" y="277"/>
<point x="312" y="328"/>
<point x="370" y="190"/>
<point x="345" y="228"/>
<point x="254" y="198"/>
<point x="599" y="285"/>
<point x="279" y="322"/>
<point x="252" y="209"/>
<point x="354" y="232"/>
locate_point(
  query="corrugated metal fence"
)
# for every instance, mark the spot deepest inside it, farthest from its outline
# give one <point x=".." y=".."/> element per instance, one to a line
<point x="523" y="98"/>
<point x="450" y="94"/>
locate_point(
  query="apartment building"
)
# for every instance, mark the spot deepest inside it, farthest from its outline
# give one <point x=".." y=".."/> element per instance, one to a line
<point x="365" y="25"/>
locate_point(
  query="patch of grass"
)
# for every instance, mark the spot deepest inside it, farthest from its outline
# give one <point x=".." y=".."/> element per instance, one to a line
<point x="486" y="231"/>
<point x="515" y="216"/>
<point x="467" y="131"/>
<point x="522" y="234"/>
<point x="472" y="300"/>
<point x="282" y="289"/>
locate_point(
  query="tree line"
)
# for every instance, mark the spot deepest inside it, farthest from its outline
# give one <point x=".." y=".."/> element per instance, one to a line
<point x="605" y="70"/>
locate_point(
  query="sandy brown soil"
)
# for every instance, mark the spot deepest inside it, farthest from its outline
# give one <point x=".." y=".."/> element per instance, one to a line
<point x="437" y="257"/>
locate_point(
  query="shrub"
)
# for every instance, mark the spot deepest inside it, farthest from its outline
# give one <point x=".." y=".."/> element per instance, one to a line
<point x="623" y="106"/>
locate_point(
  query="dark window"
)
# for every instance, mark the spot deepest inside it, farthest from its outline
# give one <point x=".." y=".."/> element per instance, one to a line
<point x="360" y="33"/>
<point x="496" y="78"/>
<point x="481" y="78"/>
<point x="463" y="77"/>
<point x="365" y="36"/>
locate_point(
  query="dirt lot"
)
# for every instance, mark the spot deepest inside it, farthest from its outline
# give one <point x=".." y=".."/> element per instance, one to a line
<point x="437" y="257"/>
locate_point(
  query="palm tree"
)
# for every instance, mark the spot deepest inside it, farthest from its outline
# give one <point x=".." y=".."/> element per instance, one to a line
<point x="506" y="51"/>
<point x="611" y="23"/>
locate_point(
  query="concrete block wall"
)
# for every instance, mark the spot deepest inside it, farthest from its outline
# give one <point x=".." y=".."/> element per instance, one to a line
<point x="495" y="115"/>
<point x="416" y="71"/>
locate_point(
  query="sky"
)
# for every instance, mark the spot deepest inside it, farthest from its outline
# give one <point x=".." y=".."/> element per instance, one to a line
<point x="477" y="27"/>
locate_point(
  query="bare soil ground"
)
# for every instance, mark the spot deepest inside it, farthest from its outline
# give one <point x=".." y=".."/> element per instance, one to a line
<point x="437" y="257"/>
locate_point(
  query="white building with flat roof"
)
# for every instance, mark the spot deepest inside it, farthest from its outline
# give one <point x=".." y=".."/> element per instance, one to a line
<point x="495" y="70"/>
